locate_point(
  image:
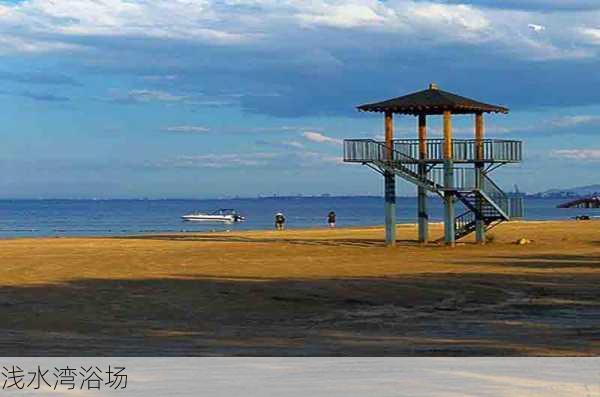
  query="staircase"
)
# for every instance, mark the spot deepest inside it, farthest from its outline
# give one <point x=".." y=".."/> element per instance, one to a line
<point x="477" y="202"/>
<point x="485" y="199"/>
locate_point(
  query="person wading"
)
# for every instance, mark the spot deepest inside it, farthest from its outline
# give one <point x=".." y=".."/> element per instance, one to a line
<point x="331" y="219"/>
<point x="279" y="221"/>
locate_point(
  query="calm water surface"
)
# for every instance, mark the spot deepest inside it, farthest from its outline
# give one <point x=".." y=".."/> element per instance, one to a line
<point x="26" y="218"/>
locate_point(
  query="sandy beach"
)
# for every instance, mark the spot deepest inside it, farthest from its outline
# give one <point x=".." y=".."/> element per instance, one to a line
<point x="304" y="292"/>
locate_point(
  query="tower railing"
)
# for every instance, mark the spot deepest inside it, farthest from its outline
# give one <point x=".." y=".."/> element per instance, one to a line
<point x="464" y="150"/>
<point x="516" y="207"/>
<point x="378" y="153"/>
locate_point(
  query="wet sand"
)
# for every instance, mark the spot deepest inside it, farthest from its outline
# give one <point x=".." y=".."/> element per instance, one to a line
<point x="305" y="292"/>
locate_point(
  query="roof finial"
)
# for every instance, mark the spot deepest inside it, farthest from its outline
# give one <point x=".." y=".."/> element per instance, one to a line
<point x="433" y="86"/>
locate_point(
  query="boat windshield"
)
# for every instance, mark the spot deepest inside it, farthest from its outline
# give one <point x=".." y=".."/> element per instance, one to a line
<point x="225" y="211"/>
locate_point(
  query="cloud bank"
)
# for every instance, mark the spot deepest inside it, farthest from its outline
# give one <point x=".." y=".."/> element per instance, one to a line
<point x="296" y="58"/>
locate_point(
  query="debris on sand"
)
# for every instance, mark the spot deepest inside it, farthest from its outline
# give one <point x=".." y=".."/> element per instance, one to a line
<point x="523" y="241"/>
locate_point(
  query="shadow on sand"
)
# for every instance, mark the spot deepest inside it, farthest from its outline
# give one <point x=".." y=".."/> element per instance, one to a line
<point x="548" y="261"/>
<point x="474" y="314"/>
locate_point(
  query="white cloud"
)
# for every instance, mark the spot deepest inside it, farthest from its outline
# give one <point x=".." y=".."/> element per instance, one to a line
<point x="166" y="97"/>
<point x="213" y="103"/>
<point x="577" y="154"/>
<point x="161" y="19"/>
<point x="556" y="125"/>
<point x="245" y="22"/>
<point x="344" y="15"/>
<point x="536" y="28"/>
<point x="571" y="121"/>
<point x="320" y="138"/>
<point x="467" y="22"/>
<point x="315" y="158"/>
<point x="294" y="144"/>
<point x="228" y="160"/>
<point x="187" y="129"/>
<point x="299" y="158"/>
<point x="590" y="35"/>
<point x="166" y="77"/>
<point x="308" y="37"/>
<point x="13" y="43"/>
<point x="434" y="21"/>
<point x="283" y="128"/>
<point x="153" y="96"/>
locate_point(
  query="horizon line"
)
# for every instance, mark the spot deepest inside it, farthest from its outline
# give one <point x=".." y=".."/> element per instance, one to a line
<point x="215" y="198"/>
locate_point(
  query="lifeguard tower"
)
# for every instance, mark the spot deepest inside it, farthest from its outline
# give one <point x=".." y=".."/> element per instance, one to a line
<point x="456" y="169"/>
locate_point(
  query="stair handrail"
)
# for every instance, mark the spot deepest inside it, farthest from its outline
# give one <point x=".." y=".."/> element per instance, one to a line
<point x="396" y="155"/>
<point x="462" y="221"/>
<point x="399" y="161"/>
<point x="465" y="218"/>
<point x="495" y="195"/>
<point x="463" y="177"/>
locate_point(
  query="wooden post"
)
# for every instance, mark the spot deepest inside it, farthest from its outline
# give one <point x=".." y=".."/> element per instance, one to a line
<point x="479" y="135"/>
<point x="389" y="133"/>
<point x="479" y="221"/>
<point x="447" y="135"/>
<point x="390" y="184"/>
<point x="422" y="216"/>
<point x="449" y="230"/>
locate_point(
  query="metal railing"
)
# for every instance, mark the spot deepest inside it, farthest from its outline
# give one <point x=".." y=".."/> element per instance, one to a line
<point x="464" y="223"/>
<point x="495" y="194"/>
<point x="368" y="150"/>
<point x="464" y="179"/>
<point x="516" y="207"/>
<point x="371" y="151"/>
<point x="464" y="150"/>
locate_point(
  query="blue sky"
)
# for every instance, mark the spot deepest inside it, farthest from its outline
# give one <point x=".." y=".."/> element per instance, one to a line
<point x="209" y="98"/>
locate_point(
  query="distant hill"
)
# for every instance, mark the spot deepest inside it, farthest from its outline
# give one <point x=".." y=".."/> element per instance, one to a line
<point x="580" y="191"/>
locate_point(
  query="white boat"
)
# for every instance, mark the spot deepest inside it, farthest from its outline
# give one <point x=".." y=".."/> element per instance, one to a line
<point x="221" y="215"/>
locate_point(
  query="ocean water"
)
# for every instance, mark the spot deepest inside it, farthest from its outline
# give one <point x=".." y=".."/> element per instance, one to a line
<point x="29" y="218"/>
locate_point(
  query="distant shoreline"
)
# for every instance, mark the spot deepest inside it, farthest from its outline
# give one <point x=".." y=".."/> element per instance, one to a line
<point x="526" y="196"/>
<point x="202" y="199"/>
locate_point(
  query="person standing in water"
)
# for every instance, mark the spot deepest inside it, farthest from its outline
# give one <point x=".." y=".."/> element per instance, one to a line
<point x="279" y="221"/>
<point x="331" y="219"/>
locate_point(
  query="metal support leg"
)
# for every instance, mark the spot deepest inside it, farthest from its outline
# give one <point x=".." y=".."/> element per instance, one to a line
<point x="449" y="231"/>
<point x="479" y="221"/>
<point x="480" y="231"/>
<point x="390" y="208"/>
<point x="422" y="216"/>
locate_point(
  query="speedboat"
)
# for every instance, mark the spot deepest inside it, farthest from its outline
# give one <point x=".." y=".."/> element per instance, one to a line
<point x="220" y="215"/>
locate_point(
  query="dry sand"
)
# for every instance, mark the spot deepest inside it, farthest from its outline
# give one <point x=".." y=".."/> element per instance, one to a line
<point x="305" y="292"/>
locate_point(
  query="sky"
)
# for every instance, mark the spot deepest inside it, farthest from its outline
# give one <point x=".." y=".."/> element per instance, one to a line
<point x="217" y="98"/>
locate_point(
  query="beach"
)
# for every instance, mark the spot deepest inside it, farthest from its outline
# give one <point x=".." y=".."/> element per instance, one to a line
<point x="304" y="292"/>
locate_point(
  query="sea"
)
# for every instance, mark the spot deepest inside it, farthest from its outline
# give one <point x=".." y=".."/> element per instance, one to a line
<point x="37" y="218"/>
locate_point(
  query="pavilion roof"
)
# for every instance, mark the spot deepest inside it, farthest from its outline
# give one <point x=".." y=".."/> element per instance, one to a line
<point x="432" y="101"/>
